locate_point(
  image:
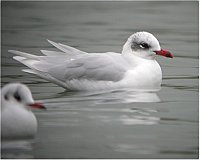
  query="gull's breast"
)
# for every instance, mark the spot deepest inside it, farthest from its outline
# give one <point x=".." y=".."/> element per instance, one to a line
<point x="146" y="75"/>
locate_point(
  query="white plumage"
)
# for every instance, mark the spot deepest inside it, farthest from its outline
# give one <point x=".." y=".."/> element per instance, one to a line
<point x="73" y="69"/>
<point x="17" y="119"/>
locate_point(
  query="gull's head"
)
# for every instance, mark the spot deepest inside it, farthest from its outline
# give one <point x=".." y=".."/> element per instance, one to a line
<point x="144" y="45"/>
<point x="17" y="94"/>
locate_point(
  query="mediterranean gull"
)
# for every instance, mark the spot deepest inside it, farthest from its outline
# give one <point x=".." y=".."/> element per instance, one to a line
<point x="17" y="119"/>
<point x="73" y="69"/>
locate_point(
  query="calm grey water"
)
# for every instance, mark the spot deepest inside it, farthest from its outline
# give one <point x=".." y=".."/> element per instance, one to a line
<point x="109" y="124"/>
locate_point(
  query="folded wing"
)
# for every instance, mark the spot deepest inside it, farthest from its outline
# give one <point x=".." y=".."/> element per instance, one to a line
<point x="72" y="64"/>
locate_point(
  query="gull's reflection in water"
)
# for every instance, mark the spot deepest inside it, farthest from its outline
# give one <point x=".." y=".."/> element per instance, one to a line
<point x="17" y="148"/>
<point x="116" y="106"/>
<point x="105" y="97"/>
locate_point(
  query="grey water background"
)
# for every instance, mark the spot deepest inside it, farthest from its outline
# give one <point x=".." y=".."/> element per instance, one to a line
<point x="107" y="124"/>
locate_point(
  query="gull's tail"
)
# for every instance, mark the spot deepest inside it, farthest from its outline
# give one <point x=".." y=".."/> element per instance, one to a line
<point x="39" y="65"/>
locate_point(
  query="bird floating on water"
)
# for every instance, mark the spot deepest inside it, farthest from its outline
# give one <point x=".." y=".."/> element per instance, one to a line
<point x="73" y="69"/>
<point x="17" y="119"/>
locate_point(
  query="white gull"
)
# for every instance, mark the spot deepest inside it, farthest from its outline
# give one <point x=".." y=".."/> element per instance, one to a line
<point x="73" y="69"/>
<point x="17" y="119"/>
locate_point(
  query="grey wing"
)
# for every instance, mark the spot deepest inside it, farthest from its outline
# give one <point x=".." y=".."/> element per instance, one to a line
<point x="91" y="67"/>
<point x="59" y="67"/>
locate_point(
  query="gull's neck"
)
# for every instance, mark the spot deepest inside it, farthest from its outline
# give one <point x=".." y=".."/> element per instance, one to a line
<point x="134" y="59"/>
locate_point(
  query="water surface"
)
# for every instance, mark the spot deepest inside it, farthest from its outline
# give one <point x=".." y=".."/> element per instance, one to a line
<point x="107" y="124"/>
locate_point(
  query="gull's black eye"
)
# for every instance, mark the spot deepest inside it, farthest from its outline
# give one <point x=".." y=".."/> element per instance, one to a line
<point x="17" y="97"/>
<point x="144" y="45"/>
<point x="6" y="97"/>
